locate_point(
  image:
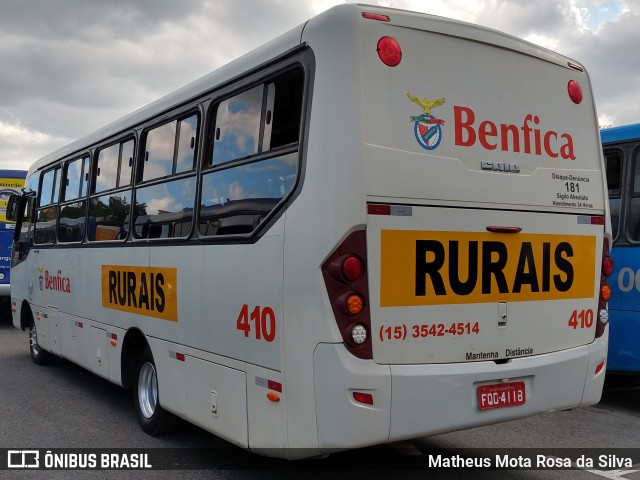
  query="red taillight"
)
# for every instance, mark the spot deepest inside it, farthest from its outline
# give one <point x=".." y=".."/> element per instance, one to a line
<point x="605" y="290"/>
<point x="575" y="91"/>
<point x="344" y="274"/>
<point x="389" y="51"/>
<point x="352" y="268"/>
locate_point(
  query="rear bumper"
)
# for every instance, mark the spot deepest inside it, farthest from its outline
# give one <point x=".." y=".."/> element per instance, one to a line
<point x="412" y="401"/>
<point x="5" y="291"/>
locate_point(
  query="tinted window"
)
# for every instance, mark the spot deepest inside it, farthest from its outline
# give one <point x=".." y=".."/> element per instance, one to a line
<point x="107" y="170"/>
<point x="165" y="210"/>
<point x="613" y="161"/>
<point x="633" y="214"/>
<point x="126" y="163"/>
<point x="46" y="225"/>
<point x="170" y="149"/>
<point x="185" y="157"/>
<point x="237" y="126"/>
<point x="236" y="200"/>
<point x="75" y="184"/>
<point x="158" y="160"/>
<point x="71" y="224"/>
<point x="109" y="217"/>
<point x="49" y="188"/>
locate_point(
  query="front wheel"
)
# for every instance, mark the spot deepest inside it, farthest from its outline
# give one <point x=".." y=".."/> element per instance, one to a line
<point x="39" y="356"/>
<point x="153" y="419"/>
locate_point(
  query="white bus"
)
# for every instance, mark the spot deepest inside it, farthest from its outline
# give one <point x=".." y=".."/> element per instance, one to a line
<point x="379" y="226"/>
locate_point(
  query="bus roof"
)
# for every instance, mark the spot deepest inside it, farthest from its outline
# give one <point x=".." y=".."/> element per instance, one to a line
<point x="619" y="134"/>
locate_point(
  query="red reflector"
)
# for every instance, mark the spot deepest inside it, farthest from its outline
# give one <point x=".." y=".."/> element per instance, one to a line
<point x="114" y="336"/>
<point x="271" y="385"/>
<point x="597" y="220"/>
<point x="389" y="51"/>
<point x="607" y="266"/>
<point x="180" y="357"/>
<point x="377" y="209"/>
<point x="600" y="366"/>
<point x="575" y="91"/>
<point x="365" y="398"/>
<point x="375" y="16"/>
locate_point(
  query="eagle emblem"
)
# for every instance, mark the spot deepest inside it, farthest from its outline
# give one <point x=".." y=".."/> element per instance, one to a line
<point x="427" y="128"/>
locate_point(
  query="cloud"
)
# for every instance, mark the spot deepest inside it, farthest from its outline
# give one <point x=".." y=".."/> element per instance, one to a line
<point x="72" y="66"/>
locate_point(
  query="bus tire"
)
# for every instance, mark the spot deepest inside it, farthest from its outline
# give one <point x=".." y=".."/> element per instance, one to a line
<point x="38" y="355"/>
<point x="154" y="420"/>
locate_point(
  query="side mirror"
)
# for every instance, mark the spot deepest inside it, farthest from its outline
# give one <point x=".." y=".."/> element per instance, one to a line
<point x="13" y="208"/>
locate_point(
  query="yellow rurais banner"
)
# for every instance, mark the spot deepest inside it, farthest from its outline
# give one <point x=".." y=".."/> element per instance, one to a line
<point x="149" y="291"/>
<point x="434" y="268"/>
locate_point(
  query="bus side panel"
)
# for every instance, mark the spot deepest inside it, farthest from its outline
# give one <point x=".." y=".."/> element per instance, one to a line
<point x="229" y="298"/>
<point x="217" y="399"/>
<point x="267" y="417"/>
<point x="172" y="376"/>
<point x="624" y="308"/>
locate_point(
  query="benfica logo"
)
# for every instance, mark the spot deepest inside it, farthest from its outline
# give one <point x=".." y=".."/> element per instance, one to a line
<point x="427" y="128"/>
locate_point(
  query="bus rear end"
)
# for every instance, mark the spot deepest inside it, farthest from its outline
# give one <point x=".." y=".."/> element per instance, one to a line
<point x="485" y="251"/>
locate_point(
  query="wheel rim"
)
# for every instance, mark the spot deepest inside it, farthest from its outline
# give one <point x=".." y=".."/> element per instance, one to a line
<point x="148" y="390"/>
<point x="33" y="341"/>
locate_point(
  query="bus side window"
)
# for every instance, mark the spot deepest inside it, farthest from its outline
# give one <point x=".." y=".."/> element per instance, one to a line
<point x="47" y="212"/>
<point x="109" y="212"/>
<point x="164" y="208"/>
<point x="237" y="127"/>
<point x="633" y="214"/>
<point x="73" y="208"/>
<point x="236" y="198"/>
<point x="613" y="161"/>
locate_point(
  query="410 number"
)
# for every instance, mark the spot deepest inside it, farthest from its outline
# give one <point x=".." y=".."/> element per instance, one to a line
<point x="581" y="319"/>
<point x="263" y="319"/>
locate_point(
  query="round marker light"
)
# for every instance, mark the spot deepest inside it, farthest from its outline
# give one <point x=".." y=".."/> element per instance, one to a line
<point x="605" y="292"/>
<point x="389" y="51"/>
<point x="575" y="91"/>
<point x="358" y="334"/>
<point x="352" y="268"/>
<point x="603" y="316"/>
<point x="607" y="266"/>
<point x="354" y="304"/>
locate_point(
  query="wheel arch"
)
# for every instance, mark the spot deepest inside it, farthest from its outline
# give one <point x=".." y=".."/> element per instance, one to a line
<point x="133" y="345"/>
<point x="26" y="315"/>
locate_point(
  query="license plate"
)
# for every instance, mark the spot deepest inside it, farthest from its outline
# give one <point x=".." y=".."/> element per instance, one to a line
<point x="501" y="395"/>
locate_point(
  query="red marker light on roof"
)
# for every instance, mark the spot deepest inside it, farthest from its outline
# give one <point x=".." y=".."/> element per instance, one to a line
<point x="389" y="51"/>
<point x="375" y="16"/>
<point x="575" y="91"/>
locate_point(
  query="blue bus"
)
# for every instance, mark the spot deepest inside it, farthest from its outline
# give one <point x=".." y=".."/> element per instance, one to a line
<point x="11" y="182"/>
<point x="621" y="146"/>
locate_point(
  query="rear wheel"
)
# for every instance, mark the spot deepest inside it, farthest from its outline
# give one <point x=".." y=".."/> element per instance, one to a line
<point x="39" y="356"/>
<point x="153" y="419"/>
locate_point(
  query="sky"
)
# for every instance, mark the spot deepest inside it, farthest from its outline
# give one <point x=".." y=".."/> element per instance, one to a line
<point x="69" y="67"/>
